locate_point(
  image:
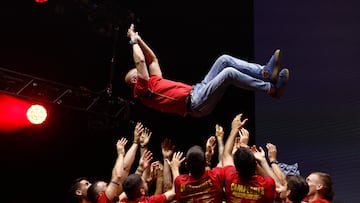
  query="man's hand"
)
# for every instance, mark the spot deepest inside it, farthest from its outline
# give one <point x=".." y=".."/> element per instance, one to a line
<point x="237" y="123"/>
<point x="167" y="149"/>
<point x="139" y="128"/>
<point x="120" y="146"/>
<point x="272" y="151"/>
<point x="244" y="136"/>
<point x="176" y="160"/>
<point x="219" y="132"/>
<point x="134" y="36"/>
<point x="145" y="159"/>
<point x="210" y="147"/>
<point x="145" y="137"/>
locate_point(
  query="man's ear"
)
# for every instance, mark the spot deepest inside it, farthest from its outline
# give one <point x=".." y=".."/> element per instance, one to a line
<point x="319" y="186"/>
<point x="288" y="194"/>
<point x="78" y="192"/>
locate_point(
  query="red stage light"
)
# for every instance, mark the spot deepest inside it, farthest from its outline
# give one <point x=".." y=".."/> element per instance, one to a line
<point x="13" y="114"/>
<point x="36" y="114"/>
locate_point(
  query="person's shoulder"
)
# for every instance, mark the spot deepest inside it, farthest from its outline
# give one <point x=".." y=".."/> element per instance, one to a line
<point x="264" y="180"/>
<point x="320" y="201"/>
<point x="155" y="77"/>
<point x="182" y="177"/>
<point x="103" y="198"/>
<point x="229" y="168"/>
<point x="216" y="169"/>
<point x="158" y="198"/>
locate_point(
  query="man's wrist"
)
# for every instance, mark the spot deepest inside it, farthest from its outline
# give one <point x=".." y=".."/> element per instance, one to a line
<point x="140" y="169"/>
<point x="208" y="163"/>
<point x="133" y="41"/>
<point x="274" y="162"/>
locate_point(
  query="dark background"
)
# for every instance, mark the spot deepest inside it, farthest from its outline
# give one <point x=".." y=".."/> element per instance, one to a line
<point x="316" y="123"/>
<point x="72" y="43"/>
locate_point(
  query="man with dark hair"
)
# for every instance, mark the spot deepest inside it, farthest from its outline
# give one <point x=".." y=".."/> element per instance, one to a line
<point x="103" y="192"/>
<point x="200" y="185"/>
<point x="195" y="161"/>
<point x="295" y="189"/>
<point x="242" y="184"/>
<point x="78" y="189"/>
<point x="244" y="157"/>
<point x="135" y="187"/>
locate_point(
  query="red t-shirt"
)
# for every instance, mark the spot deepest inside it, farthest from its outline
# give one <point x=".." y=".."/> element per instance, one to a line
<point x="144" y="199"/>
<point x="320" y="201"/>
<point x="163" y="95"/>
<point x="103" y="198"/>
<point x="206" y="189"/>
<point x="306" y="199"/>
<point x="259" y="189"/>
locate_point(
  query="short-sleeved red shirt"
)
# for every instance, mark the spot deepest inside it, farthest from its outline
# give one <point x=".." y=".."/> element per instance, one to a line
<point x="259" y="189"/>
<point x="103" y="198"/>
<point x="145" y="199"/>
<point x="206" y="189"/>
<point x="163" y="95"/>
<point x="320" y="201"/>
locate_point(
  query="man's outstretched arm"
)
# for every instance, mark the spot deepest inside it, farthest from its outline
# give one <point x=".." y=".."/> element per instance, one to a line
<point x="236" y="125"/>
<point x="138" y="55"/>
<point x="149" y="56"/>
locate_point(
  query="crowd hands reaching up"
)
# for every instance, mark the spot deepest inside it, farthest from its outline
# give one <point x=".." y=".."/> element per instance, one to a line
<point x="243" y="173"/>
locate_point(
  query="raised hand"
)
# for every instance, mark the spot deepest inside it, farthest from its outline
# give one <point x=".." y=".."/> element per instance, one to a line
<point x="167" y="149"/>
<point x="237" y="123"/>
<point x="219" y="132"/>
<point x="120" y="146"/>
<point x="132" y="34"/>
<point x="244" y="136"/>
<point x="145" y="159"/>
<point x="139" y="128"/>
<point x="272" y="152"/>
<point x="176" y="160"/>
<point x="259" y="153"/>
<point x="210" y="147"/>
<point x="145" y="137"/>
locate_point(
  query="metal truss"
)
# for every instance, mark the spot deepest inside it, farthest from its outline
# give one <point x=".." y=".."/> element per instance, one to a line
<point x="41" y="90"/>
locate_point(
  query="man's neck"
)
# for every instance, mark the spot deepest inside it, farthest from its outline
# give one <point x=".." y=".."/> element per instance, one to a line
<point x="315" y="197"/>
<point x="84" y="200"/>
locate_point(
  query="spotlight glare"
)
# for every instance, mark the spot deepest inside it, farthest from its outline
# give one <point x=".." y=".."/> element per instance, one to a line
<point x="40" y="1"/>
<point x="36" y="114"/>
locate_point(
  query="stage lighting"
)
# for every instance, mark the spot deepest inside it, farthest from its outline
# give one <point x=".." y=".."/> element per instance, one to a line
<point x="36" y="114"/>
<point x="40" y="1"/>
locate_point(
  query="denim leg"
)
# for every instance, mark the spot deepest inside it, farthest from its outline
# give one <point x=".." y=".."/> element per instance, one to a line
<point x="224" y="61"/>
<point x="206" y="95"/>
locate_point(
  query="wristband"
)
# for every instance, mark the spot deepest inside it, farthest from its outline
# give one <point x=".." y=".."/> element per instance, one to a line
<point x="132" y="42"/>
<point x="140" y="170"/>
<point x="115" y="183"/>
<point x="274" y="162"/>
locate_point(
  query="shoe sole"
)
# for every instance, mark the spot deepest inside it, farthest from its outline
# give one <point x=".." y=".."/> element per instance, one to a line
<point x="275" y="72"/>
<point x="280" y="90"/>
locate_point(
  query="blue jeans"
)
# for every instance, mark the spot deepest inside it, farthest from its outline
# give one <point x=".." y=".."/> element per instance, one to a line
<point x="226" y="71"/>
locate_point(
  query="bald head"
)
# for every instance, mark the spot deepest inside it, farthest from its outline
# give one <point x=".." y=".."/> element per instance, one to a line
<point x="131" y="77"/>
